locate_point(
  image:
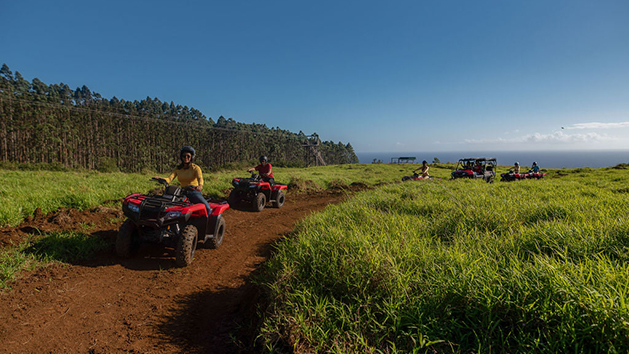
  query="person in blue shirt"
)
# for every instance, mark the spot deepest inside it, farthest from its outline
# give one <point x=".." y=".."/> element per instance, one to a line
<point x="534" y="167"/>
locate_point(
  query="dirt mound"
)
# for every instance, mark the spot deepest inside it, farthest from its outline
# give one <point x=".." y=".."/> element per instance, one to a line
<point x="299" y="185"/>
<point x="98" y="219"/>
<point x="146" y="304"/>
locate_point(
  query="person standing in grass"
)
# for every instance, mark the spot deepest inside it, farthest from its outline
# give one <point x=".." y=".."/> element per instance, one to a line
<point x="189" y="174"/>
<point x="424" y="169"/>
<point x="264" y="169"/>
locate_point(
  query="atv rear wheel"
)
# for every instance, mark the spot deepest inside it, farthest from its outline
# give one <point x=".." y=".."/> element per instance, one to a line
<point x="186" y="245"/>
<point x="259" y="202"/>
<point x="217" y="239"/>
<point x="128" y="240"/>
<point x="280" y="198"/>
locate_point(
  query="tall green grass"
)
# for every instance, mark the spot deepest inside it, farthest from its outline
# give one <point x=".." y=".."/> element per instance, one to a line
<point x="21" y="192"/>
<point x="459" y="266"/>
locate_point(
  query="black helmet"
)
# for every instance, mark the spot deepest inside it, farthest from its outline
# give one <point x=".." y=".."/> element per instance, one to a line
<point x="423" y="162"/>
<point x="534" y="163"/>
<point x="263" y="158"/>
<point x="516" y="163"/>
<point x="189" y="149"/>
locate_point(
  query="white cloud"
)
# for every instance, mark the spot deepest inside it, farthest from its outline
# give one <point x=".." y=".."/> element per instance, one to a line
<point x="599" y="125"/>
<point x="553" y="139"/>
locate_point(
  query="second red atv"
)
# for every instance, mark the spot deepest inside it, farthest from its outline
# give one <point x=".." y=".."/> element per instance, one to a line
<point x="256" y="192"/>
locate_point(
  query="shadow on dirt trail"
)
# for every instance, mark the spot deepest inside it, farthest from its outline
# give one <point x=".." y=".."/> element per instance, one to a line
<point x="146" y="304"/>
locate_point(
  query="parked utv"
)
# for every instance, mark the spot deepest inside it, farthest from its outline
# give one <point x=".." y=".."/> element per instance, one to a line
<point x="476" y="167"/>
<point x="170" y="219"/>
<point x="256" y="192"/>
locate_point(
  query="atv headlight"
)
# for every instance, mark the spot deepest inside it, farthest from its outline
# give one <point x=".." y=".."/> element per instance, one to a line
<point x="134" y="208"/>
<point x="173" y="214"/>
<point x="252" y="186"/>
<point x="235" y="183"/>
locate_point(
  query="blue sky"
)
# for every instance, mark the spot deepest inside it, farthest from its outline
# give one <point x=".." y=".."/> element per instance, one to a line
<point x="391" y="76"/>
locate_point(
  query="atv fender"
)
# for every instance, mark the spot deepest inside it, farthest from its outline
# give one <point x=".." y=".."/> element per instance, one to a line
<point x="217" y="225"/>
<point x="212" y="221"/>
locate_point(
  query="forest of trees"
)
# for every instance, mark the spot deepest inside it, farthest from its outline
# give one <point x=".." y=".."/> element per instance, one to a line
<point x="53" y="124"/>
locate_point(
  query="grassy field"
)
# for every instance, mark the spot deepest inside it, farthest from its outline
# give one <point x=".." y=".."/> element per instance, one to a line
<point x="425" y="266"/>
<point x="459" y="266"/>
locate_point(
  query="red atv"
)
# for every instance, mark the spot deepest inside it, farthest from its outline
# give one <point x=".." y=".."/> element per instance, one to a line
<point x="536" y="175"/>
<point x="512" y="176"/>
<point x="257" y="192"/>
<point x="170" y="219"/>
<point x="414" y="177"/>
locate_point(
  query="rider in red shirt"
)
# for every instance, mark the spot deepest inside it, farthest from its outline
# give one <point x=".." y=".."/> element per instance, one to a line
<point x="264" y="169"/>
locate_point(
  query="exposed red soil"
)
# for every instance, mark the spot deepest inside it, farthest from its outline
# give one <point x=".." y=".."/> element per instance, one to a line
<point x="146" y="304"/>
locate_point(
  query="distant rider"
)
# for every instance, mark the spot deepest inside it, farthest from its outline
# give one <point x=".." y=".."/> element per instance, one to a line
<point x="424" y="169"/>
<point x="189" y="174"/>
<point x="477" y="168"/>
<point x="535" y="168"/>
<point x="516" y="167"/>
<point x="264" y="169"/>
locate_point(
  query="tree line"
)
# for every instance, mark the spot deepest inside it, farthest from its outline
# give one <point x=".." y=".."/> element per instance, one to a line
<point x="53" y="124"/>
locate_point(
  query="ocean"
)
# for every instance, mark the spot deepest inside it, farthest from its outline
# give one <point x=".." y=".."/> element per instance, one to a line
<point x="545" y="159"/>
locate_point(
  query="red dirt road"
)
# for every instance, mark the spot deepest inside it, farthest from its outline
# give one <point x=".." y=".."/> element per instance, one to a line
<point x="146" y="304"/>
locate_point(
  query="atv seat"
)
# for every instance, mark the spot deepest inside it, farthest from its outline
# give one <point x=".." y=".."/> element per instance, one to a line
<point x="171" y="192"/>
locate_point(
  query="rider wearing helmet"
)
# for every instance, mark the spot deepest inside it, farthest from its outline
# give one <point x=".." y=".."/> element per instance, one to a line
<point x="478" y="168"/>
<point x="534" y="167"/>
<point x="264" y="169"/>
<point x="516" y="167"/>
<point x="189" y="174"/>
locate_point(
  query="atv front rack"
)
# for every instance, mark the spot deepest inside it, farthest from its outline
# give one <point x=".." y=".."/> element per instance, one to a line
<point x="155" y="204"/>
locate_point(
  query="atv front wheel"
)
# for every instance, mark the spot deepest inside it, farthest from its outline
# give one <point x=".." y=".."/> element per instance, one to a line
<point x="186" y="246"/>
<point x="280" y="198"/>
<point x="234" y="198"/>
<point x="217" y="238"/>
<point x="259" y="202"/>
<point x="128" y="240"/>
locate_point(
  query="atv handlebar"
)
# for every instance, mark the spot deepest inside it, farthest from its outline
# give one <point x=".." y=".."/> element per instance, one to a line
<point x="163" y="182"/>
<point x="160" y="180"/>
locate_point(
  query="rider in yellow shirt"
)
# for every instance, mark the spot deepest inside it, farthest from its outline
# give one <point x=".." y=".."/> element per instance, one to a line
<point x="189" y="174"/>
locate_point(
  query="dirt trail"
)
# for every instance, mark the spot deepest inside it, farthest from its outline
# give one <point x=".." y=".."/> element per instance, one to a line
<point x="146" y="304"/>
